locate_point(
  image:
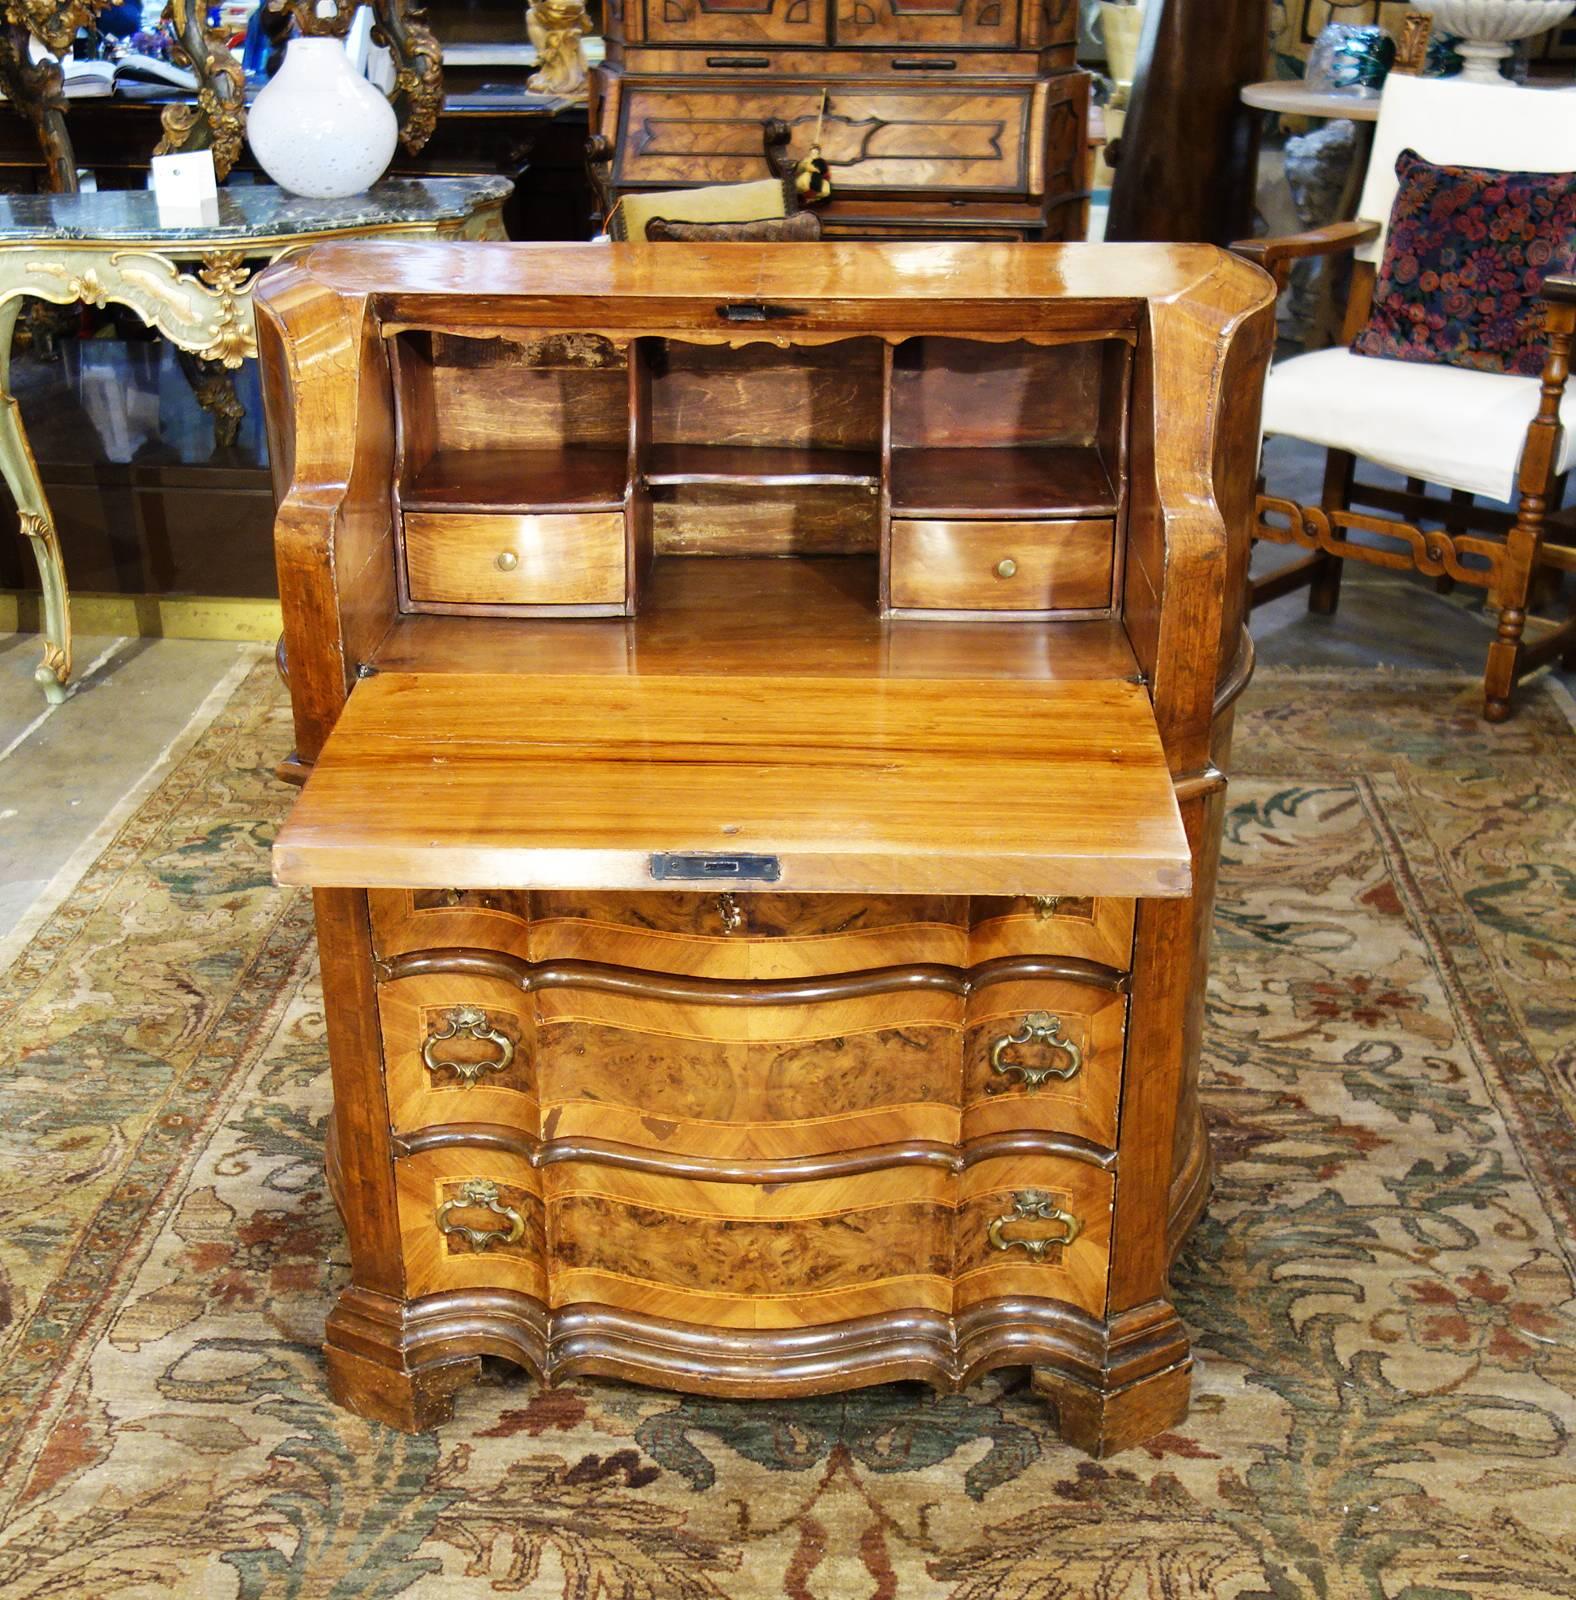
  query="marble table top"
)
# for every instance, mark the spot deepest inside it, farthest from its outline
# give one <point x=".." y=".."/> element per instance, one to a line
<point x="1303" y="100"/>
<point x="246" y="211"/>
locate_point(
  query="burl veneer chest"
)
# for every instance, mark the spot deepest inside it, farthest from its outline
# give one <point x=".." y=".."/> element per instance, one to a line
<point x="765" y="710"/>
<point x="937" y="118"/>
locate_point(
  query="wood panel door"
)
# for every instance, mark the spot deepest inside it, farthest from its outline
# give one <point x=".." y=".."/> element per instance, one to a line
<point x="743" y="22"/>
<point x="928" y="24"/>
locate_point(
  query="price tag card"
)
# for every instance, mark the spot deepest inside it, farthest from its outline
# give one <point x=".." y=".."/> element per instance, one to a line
<point x="186" y="190"/>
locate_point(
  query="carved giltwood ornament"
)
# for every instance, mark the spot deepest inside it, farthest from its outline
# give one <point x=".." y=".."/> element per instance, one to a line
<point x="556" y="28"/>
<point x="209" y="314"/>
<point x="217" y="121"/>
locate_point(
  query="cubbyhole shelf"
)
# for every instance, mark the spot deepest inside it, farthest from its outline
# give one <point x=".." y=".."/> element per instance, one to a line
<point x="524" y="425"/>
<point x="570" y="478"/>
<point x="763" y="466"/>
<point x="1007" y="430"/>
<point x="542" y="473"/>
<point x="1022" y="481"/>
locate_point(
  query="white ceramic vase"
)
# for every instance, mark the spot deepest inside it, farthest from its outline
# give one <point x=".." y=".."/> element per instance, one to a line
<point x="318" y="128"/>
<point x="1486" y="29"/>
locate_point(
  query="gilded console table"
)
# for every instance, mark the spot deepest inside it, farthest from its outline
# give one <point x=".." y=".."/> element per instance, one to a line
<point x="194" y="285"/>
<point x="766" y="710"/>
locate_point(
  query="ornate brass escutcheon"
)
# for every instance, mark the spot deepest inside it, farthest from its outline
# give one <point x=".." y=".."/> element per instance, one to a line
<point x="1034" y="1205"/>
<point x="1038" y="1028"/>
<point x="480" y="1195"/>
<point x="731" y="912"/>
<point x="1045" y="905"/>
<point x="471" y="1020"/>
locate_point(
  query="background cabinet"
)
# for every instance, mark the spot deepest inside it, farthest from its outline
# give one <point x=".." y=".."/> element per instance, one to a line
<point x="943" y="118"/>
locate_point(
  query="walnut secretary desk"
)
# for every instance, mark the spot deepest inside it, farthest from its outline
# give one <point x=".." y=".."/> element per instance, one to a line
<point x="764" y="712"/>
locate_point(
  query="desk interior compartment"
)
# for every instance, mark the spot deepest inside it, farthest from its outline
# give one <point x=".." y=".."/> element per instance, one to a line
<point x="513" y="473"/>
<point x="760" y="450"/>
<point x="1007" y="477"/>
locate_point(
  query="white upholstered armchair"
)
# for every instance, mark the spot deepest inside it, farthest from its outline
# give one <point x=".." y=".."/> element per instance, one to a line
<point x="1475" y="433"/>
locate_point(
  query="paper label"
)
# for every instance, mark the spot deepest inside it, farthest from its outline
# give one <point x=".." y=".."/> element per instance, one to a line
<point x="186" y="190"/>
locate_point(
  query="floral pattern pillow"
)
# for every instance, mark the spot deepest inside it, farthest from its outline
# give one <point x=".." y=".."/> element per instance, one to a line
<point x="1465" y="258"/>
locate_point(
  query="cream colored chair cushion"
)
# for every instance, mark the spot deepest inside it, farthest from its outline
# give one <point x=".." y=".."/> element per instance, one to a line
<point x="1447" y="425"/>
<point x="719" y="202"/>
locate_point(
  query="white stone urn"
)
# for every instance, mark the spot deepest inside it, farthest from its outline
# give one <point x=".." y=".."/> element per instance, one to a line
<point x="318" y="128"/>
<point x="1486" y="29"/>
<point x="1122" y="27"/>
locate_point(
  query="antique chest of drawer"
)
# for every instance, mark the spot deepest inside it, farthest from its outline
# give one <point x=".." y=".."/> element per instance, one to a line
<point x="764" y="721"/>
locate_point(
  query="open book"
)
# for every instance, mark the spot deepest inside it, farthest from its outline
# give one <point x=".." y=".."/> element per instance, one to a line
<point x="88" y="80"/>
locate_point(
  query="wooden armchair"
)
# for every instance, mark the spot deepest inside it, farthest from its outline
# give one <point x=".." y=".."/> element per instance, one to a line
<point x="1475" y="434"/>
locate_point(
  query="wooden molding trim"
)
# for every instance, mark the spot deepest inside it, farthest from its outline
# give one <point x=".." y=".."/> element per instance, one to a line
<point x="1238" y="675"/>
<point x="843" y="1164"/>
<point x="530" y="976"/>
<point x="1190" y="1188"/>
<point x="440" y="1333"/>
<point x="150" y="616"/>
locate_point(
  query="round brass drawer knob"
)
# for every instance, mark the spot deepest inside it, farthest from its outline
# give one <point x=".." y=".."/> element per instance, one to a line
<point x="507" y="561"/>
<point x="1006" y="567"/>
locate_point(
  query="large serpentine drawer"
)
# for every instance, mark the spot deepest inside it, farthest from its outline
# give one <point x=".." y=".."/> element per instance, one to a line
<point x="690" y="1069"/>
<point x="762" y="1255"/>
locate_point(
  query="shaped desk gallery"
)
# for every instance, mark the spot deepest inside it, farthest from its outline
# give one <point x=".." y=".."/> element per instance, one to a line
<point x="765" y="710"/>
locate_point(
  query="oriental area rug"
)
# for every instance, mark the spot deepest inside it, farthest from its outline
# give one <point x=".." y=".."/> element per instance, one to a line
<point x="1381" y="1292"/>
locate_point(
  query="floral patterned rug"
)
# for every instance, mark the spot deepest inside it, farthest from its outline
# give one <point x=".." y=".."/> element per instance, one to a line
<point x="1381" y="1292"/>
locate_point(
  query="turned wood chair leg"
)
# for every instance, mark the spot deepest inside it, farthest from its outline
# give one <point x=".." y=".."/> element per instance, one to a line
<point x="1536" y="485"/>
<point x="1324" y="591"/>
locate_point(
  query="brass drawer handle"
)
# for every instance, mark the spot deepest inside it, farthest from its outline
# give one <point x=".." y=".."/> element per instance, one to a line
<point x="1038" y="1028"/>
<point x="479" y="1194"/>
<point x="1006" y="568"/>
<point x="1033" y="1205"/>
<point x="472" y="1020"/>
<point x="506" y="561"/>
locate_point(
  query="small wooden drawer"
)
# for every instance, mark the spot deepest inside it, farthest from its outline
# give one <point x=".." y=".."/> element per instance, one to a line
<point x="1015" y="1213"/>
<point x="751" y="1255"/>
<point x="801" y="22"/>
<point x="404" y="920"/>
<point x="916" y="24"/>
<point x="749" y="935"/>
<point x="1038" y="568"/>
<point x="458" y="560"/>
<point x="745" y="935"/>
<point x="745" y="1081"/>
<point x="1043" y="1055"/>
<point x="471" y="1219"/>
<point x="1057" y="925"/>
<point x="458" y="1048"/>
